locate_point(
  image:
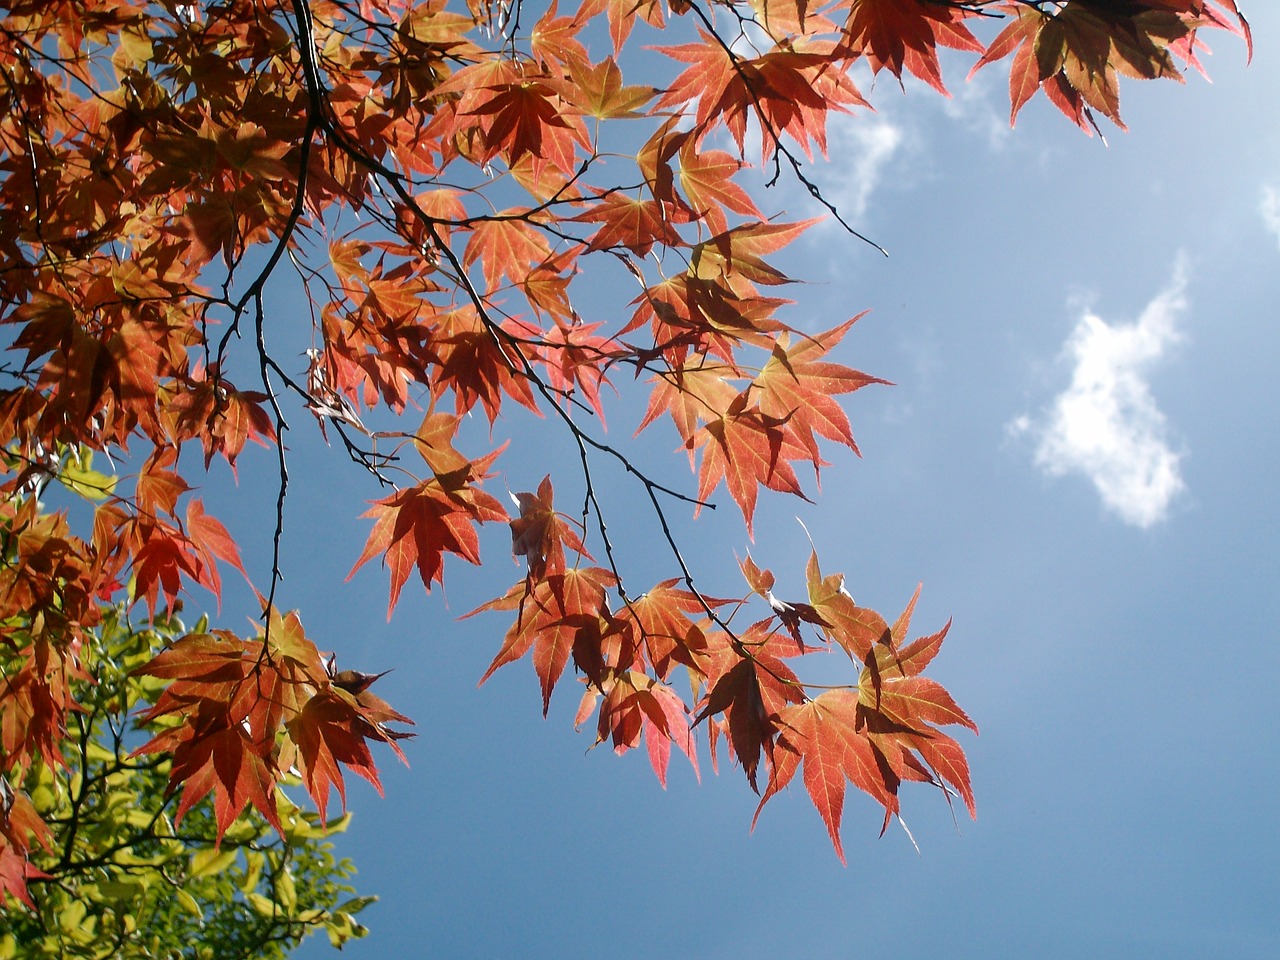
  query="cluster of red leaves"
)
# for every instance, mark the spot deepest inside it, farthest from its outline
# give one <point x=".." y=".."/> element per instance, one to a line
<point x="146" y="150"/>
<point x="249" y="710"/>
<point x="873" y="734"/>
<point x="1078" y="53"/>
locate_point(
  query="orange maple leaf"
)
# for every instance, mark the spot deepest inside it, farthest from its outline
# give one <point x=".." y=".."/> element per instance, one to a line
<point x="797" y="381"/>
<point x="748" y="449"/>
<point x="824" y="734"/>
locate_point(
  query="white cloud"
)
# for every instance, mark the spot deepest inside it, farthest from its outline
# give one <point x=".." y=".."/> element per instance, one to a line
<point x="1270" y="209"/>
<point x="1106" y="424"/>
<point x="981" y="104"/>
<point x="868" y="143"/>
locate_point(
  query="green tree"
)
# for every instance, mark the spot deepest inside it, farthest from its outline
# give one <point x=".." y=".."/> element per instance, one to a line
<point x="113" y="876"/>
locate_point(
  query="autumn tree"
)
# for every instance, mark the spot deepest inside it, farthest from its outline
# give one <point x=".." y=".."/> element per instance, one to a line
<point x="442" y="184"/>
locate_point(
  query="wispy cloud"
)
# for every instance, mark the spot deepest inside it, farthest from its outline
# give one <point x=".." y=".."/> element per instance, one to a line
<point x="868" y="143"/>
<point x="1270" y="209"/>
<point x="1106" y="425"/>
<point x="980" y="103"/>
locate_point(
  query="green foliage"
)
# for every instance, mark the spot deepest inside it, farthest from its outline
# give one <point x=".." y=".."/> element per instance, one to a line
<point x="121" y="881"/>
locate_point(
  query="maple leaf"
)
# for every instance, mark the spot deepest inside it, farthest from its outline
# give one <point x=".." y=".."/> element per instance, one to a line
<point x="554" y="40"/>
<point x="212" y="753"/>
<point x="599" y="92"/>
<point x="856" y="629"/>
<point x="224" y="418"/>
<point x="796" y="382"/>
<point x="789" y="88"/>
<point x="664" y="623"/>
<point x="550" y="615"/>
<point x="691" y="315"/>
<point x="575" y="359"/>
<point x="434" y="443"/>
<point x="19" y="825"/>
<point x="741" y="251"/>
<point x="637" y="706"/>
<point x="906" y="33"/>
<point x="158" y="485"/>
<point x="622" y="16"/>
<point x="160" y="563"/>
<point x="737" y="695"/>
<point x="697" y="391"/>
<point x="210" y="539"/>
<point x="215" y="667"/>
<point x="911" y="700"/>
<point x="475" y="365"/>
<point x="329" y="734"/>
<point x="546" y="286"/>
<point x="201" y="659"/>
<point x="1077" y="53"/>
<point x="296" y="669"/>
<point x="824" y="734"/>
<point x="528" y="117"/>
<point x="506" y="245"/>
<point x="706" y="179"/>
<point x="1018" y="38"/>
<point x="540" y="534"/>
<point x="634" y="223"/>
<point x="747" y="449"/>
<point x="748" y="683"/>
<point x="419" y="525"/>
<point x="899" y="709"/>
<point x="944" y="759"/>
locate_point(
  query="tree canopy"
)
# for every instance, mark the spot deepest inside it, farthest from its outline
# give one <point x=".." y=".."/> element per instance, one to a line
<point x="478" y="210"/>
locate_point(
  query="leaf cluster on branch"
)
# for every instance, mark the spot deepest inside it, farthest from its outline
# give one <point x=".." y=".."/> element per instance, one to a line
<point x="442" y="182"/>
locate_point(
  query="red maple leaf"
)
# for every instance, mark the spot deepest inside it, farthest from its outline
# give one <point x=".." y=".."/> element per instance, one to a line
<point x="419" y="525"/>
<point x="506" y="245"/>
<point x="665" y="627"/>
<point x="706" y="179"/>
<point x="798" y="383"/>
<point x="540" y="534"/>
<point x="214" y="753"/>
<point x="476" y="365"/>
<point x="330" y="733"/>
<point x="906" y="33"/>
<point x="636" y="223"/>
<point x="635" y="706"/>
<point x="855" y="628"/>
<point x="748" y="683"/>
<point x="551" y="614"/>
<point x="824" y="734"/>
<point x="19" y="825"/>
<point x="527" y="116"/>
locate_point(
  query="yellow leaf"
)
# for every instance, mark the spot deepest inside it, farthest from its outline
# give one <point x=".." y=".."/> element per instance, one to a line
<point x="211" y="860"/>
<point x="189" y="904"/>
<point x="137" y="46"/>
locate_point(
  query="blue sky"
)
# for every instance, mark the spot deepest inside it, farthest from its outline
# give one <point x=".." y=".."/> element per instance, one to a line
<point x="1078" y="460"/>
